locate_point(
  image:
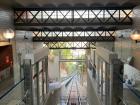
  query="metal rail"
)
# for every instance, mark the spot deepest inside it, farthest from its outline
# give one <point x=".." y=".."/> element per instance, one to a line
<point x="69" y="94"/>
<point x="79" y="101"/>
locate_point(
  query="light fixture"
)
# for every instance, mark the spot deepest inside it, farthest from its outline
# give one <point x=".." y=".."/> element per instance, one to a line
<point x="44" y="45"/>
<point x="135" y="36"/>
<point x="9" y="34"/>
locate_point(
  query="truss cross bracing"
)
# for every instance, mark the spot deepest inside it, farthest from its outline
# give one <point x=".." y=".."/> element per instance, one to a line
<point x="73" y="36"/>
<point x="70" y="45"/>
<point x="74" y="39"/>
<point x="38" y="20"/>
<point x="77" y="17"/>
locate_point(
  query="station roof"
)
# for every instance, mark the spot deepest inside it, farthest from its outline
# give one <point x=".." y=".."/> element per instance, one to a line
<point x="46" y="3"/>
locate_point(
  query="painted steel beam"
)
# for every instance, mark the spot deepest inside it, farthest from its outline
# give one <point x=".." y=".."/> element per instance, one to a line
<point x="73" y="36"/>
<point x="65" y="29"/>
<point x="70" y="45"/>
<point x="84" y="17"/>
<point x="69" y="7"/>
<point x="75" y="39"/>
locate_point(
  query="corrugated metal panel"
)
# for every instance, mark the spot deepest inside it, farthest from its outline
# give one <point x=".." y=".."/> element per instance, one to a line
<point x="6" y="19"/>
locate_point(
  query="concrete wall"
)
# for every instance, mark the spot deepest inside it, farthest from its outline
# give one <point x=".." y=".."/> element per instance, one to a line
<point x="126" y="48"/>
<point x="53" y="68"/>
<point x="131" y="72"/>
<point x="92" y="90"/>
<point x="6" y="22"/>
<point x="72" y="2"/>
<point x="107" y="45"/>
<point x="6" y="19"/>
<point x="22" y="47"/>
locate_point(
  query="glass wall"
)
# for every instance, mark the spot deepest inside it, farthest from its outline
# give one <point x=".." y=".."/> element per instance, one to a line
<point x="101" y="74"/>
<point x="39" y="71"/>
<point x="103" y="81"/>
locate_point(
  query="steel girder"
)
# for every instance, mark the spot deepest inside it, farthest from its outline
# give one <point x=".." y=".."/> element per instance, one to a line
<point x="82" y="17"/>
<point x="70" y="45"/>
<point x="73" y="17"/>
<point x="73" y="36"/>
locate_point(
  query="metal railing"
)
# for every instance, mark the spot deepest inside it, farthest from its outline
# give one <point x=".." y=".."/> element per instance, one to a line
<point x="131" y="96"/>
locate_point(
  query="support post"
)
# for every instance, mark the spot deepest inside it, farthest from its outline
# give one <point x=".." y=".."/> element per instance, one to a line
<point x="116" y="84"/>
<point x="46" y="71"/>
<point x="28" y="82"/>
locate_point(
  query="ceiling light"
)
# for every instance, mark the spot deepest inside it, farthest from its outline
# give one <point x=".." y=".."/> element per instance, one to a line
<point x="9" y="34"/>
<point x="135" y="36"/>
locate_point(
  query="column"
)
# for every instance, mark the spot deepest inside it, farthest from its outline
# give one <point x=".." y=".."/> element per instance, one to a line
<point x="116" y="84"/>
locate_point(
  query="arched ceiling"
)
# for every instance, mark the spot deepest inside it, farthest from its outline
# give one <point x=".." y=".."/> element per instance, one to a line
<point x="43" y="3"/>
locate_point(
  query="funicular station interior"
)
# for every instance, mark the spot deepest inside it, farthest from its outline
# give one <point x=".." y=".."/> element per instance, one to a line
<point x="69" y="52"/>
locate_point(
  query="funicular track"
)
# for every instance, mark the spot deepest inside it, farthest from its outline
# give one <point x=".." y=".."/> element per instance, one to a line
<point x="74" y="97"/>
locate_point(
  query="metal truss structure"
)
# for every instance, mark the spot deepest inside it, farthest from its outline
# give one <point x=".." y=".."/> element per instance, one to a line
<point x="38" y="20"/>
<point x="73" y="36"/>
<point x="73" y="16"/>
<point x="70" y="45"/>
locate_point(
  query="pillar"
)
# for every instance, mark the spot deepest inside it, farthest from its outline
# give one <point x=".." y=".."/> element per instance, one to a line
<point x="116" y="92"/>
<point x="28" y="82"/>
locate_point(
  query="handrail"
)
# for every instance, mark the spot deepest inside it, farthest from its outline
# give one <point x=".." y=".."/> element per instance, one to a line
<point x="9" y="90"/>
